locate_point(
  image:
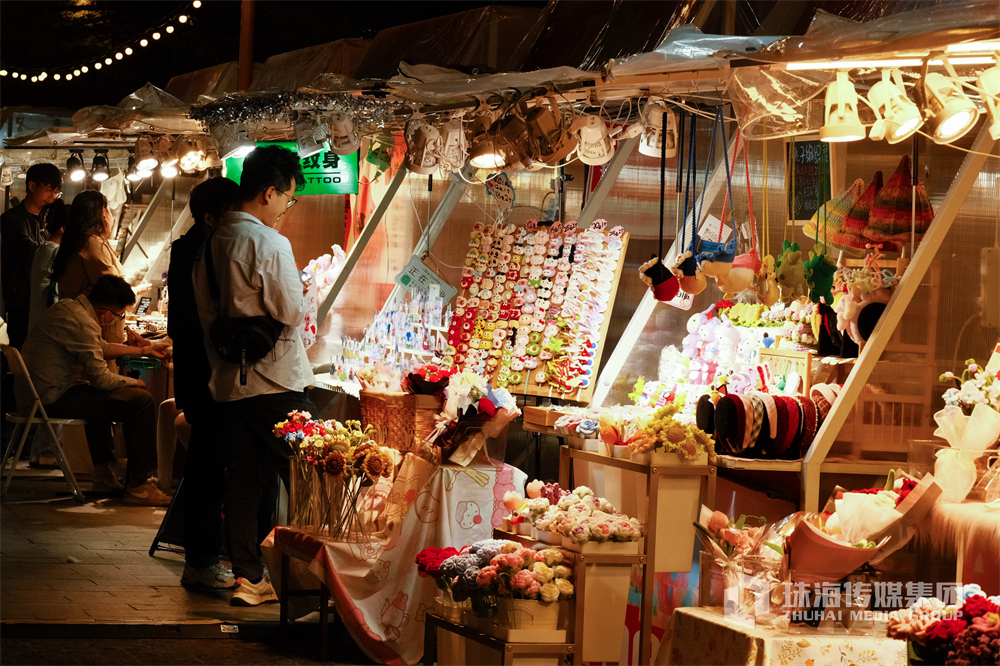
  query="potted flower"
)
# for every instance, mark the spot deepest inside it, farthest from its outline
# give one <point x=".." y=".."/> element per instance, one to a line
<point x="663" y="440"/>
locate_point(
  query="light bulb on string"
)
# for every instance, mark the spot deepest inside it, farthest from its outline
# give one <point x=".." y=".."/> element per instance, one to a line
<point x="169" y="29"/>
<point x="196" y="4"/>
<point x="43" y="76"/>
<point x="97" y="65"/>
<point x="3" y="72"/>
<point x="182" y="18"/>
<point x="156" y="35"/>
<point x="76" y="72"/>
<point x="69" y="77"/>
<point x="24" y="77"/>
<point x="56" y="77"/>
<point x="143" y="42"/>
<point x="34" y="79"/>
<point x="119" y="55"/>
<point x="108" y="61"/>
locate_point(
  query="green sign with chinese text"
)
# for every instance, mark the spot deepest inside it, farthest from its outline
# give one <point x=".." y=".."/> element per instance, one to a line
<point x="325" y="172"/>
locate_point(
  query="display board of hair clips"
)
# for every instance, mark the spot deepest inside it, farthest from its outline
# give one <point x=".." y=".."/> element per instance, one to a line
<point x="535" y="305"/>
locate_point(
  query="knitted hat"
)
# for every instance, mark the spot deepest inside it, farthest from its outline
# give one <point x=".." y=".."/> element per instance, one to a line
<point x="832" y="214"/>
<point x="892" y="211"/>
<point x="851" y="232"/>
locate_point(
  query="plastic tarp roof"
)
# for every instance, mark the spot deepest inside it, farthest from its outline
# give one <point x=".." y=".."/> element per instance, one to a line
<point x="216" y="80"/>
<point x="297" y="69"/>
<point x="480" y="39"/>
<point x="148" y="109"/>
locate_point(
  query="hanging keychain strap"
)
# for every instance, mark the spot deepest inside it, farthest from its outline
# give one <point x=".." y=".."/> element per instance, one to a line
<point x="708" y="168"/>
<point x="663" y="179"/>
<point x="689" y="196"/>
<point x="766" y="204"/>
<point x="725" y="205"/>
<point x="725" y="156"/>
<point x="753" y="222"/>
<point x="680" y="169"/>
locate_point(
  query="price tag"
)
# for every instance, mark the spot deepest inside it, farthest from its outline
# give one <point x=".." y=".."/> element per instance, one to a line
<point x="569" y="227"/>
<point x="531" y="224"/>
<point x="500" y="188"/>
<point x="143" y="305"/>
<point x="556" y="228"/>
<point x="617" y="232"/>
<point x="682" y="301"/>
<point x="416" y="276"/>
<point x="710" y="230"/>
<point x="599" y="225"/>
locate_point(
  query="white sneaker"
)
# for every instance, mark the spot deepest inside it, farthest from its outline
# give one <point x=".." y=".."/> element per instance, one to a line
<point x="249" y="594"/>
<point x="215" y="576"/>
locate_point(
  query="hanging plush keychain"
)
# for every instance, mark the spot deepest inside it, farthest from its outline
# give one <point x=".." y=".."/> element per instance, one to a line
<point x="819" y="269"/>
<point x="745" y="266"/>
<point x="654" y="273"/>
<point x="715" y="258"/>
<point x="686" y="269"/>
<point x="766" y="283"/>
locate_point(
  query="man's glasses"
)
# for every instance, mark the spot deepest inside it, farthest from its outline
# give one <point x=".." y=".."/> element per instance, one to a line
<point x="117" y="316"/>
<point x="291" y="200"/>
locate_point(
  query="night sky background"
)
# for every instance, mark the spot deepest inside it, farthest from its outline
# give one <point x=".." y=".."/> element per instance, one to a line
<point x="37" y="34"/>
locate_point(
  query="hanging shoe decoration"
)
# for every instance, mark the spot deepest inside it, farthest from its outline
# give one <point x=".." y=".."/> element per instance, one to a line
<point x="689" y="277"/>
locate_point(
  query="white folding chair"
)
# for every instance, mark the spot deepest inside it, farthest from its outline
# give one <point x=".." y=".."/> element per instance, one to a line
<point x="18" y="369"/>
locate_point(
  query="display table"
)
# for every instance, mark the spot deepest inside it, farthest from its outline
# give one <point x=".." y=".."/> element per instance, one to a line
<point x="704" y="636"/>
<point x="375" y="586"/>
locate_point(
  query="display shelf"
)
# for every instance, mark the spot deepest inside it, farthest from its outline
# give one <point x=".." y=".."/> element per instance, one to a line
<point x="508" y="651"/>
<point x="733" y="462"/>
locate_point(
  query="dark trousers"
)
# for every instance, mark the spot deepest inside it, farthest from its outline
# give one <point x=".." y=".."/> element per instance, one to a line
<point x="204" y="486"/>
<point x="132" y="407"/>
<point x="17" y="331"/>
<point x="255" y="458"/>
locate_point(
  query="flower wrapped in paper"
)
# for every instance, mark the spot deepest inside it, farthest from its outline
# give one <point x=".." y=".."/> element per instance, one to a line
<point x="473" y="412"/>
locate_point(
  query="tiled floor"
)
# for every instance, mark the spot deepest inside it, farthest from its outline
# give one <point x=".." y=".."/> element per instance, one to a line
<point x="61" y="561"/>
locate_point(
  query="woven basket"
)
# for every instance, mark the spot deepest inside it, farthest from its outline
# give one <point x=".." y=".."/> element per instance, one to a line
<point x="398" y="418"/>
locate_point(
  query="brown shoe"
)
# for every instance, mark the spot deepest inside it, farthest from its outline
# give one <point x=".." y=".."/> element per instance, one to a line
<point x="148" y="494"/>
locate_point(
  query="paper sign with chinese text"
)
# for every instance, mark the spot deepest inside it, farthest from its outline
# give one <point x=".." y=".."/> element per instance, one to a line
<point x="415" y="275"/>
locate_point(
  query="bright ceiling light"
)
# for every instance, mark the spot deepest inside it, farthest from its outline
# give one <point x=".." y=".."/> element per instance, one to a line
<point x="949" y="111"/>
<point x="512" y="142"/>
<point x="74" y="166"/>
<point x="974" y="47"/>
<point x="100" y="171"/>
<point x="653" y="134"/>
<point x="344" y="138"/>
<point x="595" y="143"/>
<point x="189" y="151"/>
<point x="165" y="153"/>
<point x="233" y="140"/>
<point x="989" y="83"/>
<point x="168" y="170"/>
<point x="901" y="116"/>
<point x="841" y="121"/>
<point x="132" y="173"/>
<point x="145" y="159"/>
<point x="310" y="136"/>
<point x="879" y="64"/>
<point x="423" y="143"/>
<point x="483" y="154"/>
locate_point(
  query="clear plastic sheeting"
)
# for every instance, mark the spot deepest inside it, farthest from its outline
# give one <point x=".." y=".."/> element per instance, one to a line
<point x="297" y="69"/>
<point x="687" y="48"/>
<point x="216" y="80"/>
<point x="480" y="39"/>
<point x="830" y="37"/>
<point x="429" y="84"/>
<point x="778" y="103"/>
<point x="148" y="109"/>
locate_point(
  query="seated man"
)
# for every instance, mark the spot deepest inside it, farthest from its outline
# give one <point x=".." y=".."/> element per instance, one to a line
<point x="67" y="360"/>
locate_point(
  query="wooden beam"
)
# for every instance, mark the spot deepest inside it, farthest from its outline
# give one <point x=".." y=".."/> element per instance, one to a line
<point x="900" y="301"/>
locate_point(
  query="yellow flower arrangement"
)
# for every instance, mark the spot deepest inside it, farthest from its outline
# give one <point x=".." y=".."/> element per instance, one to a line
<point x="662" y="431"/>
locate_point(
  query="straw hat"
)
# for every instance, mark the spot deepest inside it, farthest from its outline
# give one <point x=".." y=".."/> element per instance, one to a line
<point x="832" y="214"/>
<point x="851" y="232"/>
<point x="892" y="211"/>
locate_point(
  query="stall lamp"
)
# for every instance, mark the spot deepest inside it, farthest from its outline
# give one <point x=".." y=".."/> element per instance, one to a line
<point x="211" y="160"/>
<point x="484" y="154"/>
<point x="653" y="134"/>
<point x="548" y="140"/>
<point x="100" y="171"/>
<point x="164" y="152"/>
<point x="511" y="141"/>
<point x="989" y="83"/>
<point x="132" y="173"/>
<point x="188" y="151"/>
<point x="310" y="137"/>
<point x="344" y="138"/>
<point x="841" y="122"/>
<point x="74" y="166"/>
<point x="594" y="142"/>
<point x="949" y="111"/>
<point x="423" y="143"/>
<point x="145" y="159"/>
<point x="901" y="117"/>
<point x="454" y="147"/>
<point x="233" y="140"/>
<point x="168" y="170"/>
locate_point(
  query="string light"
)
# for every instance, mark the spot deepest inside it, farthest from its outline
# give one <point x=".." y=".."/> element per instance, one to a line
<point x="126" y="50"/>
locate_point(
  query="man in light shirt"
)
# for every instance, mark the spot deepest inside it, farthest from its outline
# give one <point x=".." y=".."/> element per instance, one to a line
<point x="67" y="357"/>
<point x="256" y="275"/>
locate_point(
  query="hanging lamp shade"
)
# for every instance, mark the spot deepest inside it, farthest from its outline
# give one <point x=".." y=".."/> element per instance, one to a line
<point x="654" y="134"/>
<point x="989" y="83"/>
<point x="594" y="145"/>
<point x="952" y="113"/>
<point x="344" y="139"/>
<point x="422" y="145"/>
<point x="901" y="116"/>
<point x="841" y="122"/>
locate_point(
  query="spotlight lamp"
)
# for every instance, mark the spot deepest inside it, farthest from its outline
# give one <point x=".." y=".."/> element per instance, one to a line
<point x="989" y="83"/>
<point x="310" y="136"/>
<point x="483" y="154"/>
<point x="548" y="140"/>
<point x="74" y="166"/>
<point x="188" y="151"/>
<point x="423" y="143"/>
<point x="233" y="140"/>
<point x="841" y="122"/>
<point x="454" y="146"/>
<point x="145" y="159"/>
<point x="344" y="138"/>
<point x="168" y="170"/>
<point x="654" y="135"/>
<point x="132" y="173"/>
<point x="900" y="118"/>
<point x="949" y="112"/>
<point x="100" y="171"/>
<point x="594" y="142"/>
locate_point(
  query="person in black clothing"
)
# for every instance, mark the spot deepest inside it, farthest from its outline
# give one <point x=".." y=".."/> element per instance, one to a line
<point x="20" y="235"/>
<point x="204" y="467"/>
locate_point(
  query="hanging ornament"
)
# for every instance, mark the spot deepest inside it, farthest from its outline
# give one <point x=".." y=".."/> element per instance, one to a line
<point x="653" y="273"/>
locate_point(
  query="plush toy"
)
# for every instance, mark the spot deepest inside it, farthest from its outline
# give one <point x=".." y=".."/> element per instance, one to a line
<point x="819" y="277"/>
<point x="689" y="276"/>
<point x="791" y="273"/>
<point x="767" y="284"/>
<point x="729" y="340"/>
